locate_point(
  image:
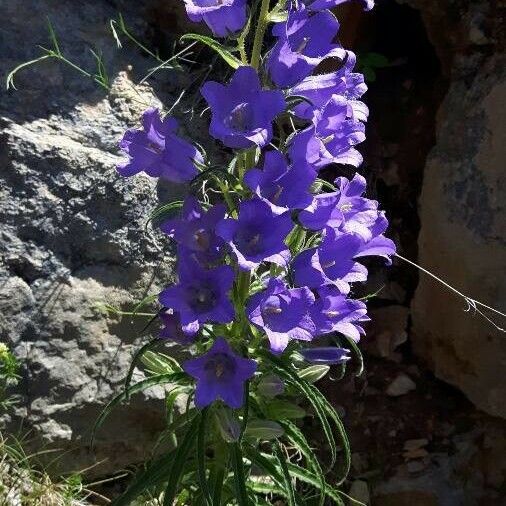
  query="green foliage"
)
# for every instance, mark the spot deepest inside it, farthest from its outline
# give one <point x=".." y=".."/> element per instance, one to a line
<point x="9" y="376"/>
<point x="368" y="63"/>
<point x="225" y="53"/>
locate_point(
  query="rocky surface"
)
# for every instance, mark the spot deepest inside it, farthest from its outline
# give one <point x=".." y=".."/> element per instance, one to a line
<point x="73" y="233"/>
<point x="462" y="205"/>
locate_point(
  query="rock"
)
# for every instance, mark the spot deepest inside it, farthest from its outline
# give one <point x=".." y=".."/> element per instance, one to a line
<point x="387" y="331"/>
<point x="72" y="234"/>
<point x="401" y="385"/>
<point x="462" y="211"/>
<point x="359" y="490"/>
<point x="411" y="498"/>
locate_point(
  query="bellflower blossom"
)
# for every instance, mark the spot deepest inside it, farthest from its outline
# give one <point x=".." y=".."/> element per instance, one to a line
<point x="331" y="263"/>
<point x="333" y="312"/>
<point x="158" y="151"/>
<point x="195" y="230"/>
<point x="242" y="112"/>
<point x="345" y="210"/>
<point x="304" y="41"/>
<point x="283" y="313"/>
<point x="220" y="374"/>
<point x="223" y="17"/>
<point x="264" y="253"/>
<point x="282" y="187"/>
<point x="317" y="5"/>
<point x="201" y="295"/>
<point x="257" y="235"/>
<point x="175" y="331"/>
<point x="319" y="89"/>
<point x="331" y="137"/>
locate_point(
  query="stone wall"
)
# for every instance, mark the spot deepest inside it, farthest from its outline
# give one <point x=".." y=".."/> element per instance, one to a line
<point x="462" y="206"/>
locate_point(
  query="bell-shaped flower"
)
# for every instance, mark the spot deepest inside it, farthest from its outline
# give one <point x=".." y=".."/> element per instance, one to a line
<point x="257" y="235"/>
<point x="223" y="17"/>
<point x="303" y="42"/>
<point x="345" y="210"/>
<point x="195" y="230"/>
<point x="242" y="112"/>
<point x="158" y="151"/>
<point x="284" y="188"/>
<point x="175" y="331"/>
<point x="319" y="89"/>
<point x="282" y="313"/>
<point x="318" y="5"/>
<point x="378" y="245"/>
<point x="331" y="137"/>
<point x="331" y="263"/>
<point x="333" y="312"/>
<point x="201" y="295"/>
<point x="220" y="374"/>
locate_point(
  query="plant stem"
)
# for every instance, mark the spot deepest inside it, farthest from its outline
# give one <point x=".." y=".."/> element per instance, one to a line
<point x="259" y="34"/>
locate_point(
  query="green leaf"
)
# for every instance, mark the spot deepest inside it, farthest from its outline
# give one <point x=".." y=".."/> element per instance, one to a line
<point x="160" y="363"/>
<point x="299" y="441"/>
<point x="281" y="458"/>
<point x="307" y="390"/>
<point x="163" y="210"/>
<point x="239" y="476"/>
<point x="135" y="360"/>
<point x="161" y="379"/>
<point x="277" y="17"/>
<point x="377" y="60"/>
<point x="266" y="464"/>
<point x="358" y="355"/>
<point x="153" y="475"/>
<point x="219" y="471"/>
<point x="279" y="409"/>
<point x="228" y="424"/>
<point x="225" y="53"/>
<point x="314" y="373"/>
<point x="308" y="477"/>
<point x="263" y="430"/>
<point x="201" y="457"/>
<point x="178" y="464"/>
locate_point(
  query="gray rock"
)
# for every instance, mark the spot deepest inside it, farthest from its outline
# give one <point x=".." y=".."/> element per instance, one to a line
<point x="401" y="385"/>
<point x="462" y="211"/>
<point x="73" y="233"/>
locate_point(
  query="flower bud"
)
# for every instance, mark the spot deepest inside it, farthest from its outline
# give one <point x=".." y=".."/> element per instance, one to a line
<point x="270" y="386"/>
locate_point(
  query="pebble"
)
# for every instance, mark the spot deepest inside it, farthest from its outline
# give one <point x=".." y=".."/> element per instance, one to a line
<point x="401" y="385"/>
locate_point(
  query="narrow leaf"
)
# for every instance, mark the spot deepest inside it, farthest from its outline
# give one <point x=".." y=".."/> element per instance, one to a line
<point x="239" y="476"/>
<point x="233" y="61"/>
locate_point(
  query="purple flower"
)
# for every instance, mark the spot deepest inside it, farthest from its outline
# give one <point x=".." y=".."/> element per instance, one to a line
<point x="283" y="313"/>
<point x="319" y="89"/>
<point x="378" y="244"/>
<point x="195" y="230"/>
<point x="345" y="210"/>
<point x="284" y="188"/>
<point x="220" y="374"/>
<point x="223" y="17"/>
<point x="325" y="355"/>
<point x="175" y="331"/>
<point x="333" y="312"/>
<point x="330" y="138"/>
<point x="158" y="151"/>
<point x="304" y="41"/>
<point x="242" y="113"/>
<point x="257" y="235"/>
<point x="332" y="263"/>
<point x="201" y="295"/>
<point x="318" y="5"/>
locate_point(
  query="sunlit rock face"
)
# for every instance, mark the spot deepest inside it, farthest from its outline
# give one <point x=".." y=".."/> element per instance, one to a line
<point x="462" y="211"/>
<point x="72" y="232"/>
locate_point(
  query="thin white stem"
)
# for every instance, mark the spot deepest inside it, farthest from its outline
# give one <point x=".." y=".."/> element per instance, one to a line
<point x="471" y="303"/>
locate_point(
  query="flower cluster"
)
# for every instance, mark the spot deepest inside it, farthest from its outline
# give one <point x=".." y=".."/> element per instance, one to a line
<point x="276" y="261"/>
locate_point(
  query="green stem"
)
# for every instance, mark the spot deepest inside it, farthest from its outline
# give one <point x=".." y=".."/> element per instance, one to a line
<point x="239" y="476"/>
<point x="259" y="34"/>
<point x="201" y="456"/>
